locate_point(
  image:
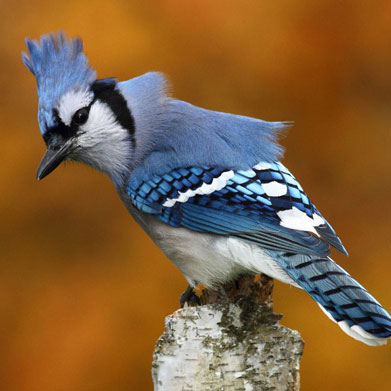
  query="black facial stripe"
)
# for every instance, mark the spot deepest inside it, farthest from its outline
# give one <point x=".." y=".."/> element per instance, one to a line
<point x="60" y="130"/>
<point x="57" y="134"/>
<point x="105" y="90"/>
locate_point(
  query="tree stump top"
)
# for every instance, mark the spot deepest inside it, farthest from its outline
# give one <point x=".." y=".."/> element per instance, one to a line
<point x="232" y="343"/>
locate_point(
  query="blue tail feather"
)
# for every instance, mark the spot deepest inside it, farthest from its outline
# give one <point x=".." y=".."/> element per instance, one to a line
<point x="343" y="299"/>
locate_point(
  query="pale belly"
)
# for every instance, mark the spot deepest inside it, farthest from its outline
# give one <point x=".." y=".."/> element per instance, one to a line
<point x="205" y="258"/>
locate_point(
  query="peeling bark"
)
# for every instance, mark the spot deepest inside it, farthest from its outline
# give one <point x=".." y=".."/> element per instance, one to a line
<point x="231" y="342"/>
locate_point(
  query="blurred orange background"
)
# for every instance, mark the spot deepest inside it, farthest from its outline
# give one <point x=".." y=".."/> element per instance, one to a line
<point x="83" y="291"/>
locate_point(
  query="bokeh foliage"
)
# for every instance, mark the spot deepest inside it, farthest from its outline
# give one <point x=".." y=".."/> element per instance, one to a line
<point x="83" y="291"/>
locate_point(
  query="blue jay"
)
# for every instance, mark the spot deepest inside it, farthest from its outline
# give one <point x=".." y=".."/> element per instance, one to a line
<point x="207" y="187"/>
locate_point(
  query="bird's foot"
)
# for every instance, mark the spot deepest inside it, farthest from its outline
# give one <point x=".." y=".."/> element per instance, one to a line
<point x="189" y="297"/>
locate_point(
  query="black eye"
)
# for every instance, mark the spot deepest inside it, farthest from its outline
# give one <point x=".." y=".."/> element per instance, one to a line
<point x="80" y="117"/>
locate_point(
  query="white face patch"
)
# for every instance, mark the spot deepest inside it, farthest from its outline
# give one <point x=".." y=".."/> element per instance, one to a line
<point x="103" y="143"/>
<point x="217" y="184"/>
<point x="275" y="189"/>
<point x="298" y="220"/>
<point x="71" y="102"/>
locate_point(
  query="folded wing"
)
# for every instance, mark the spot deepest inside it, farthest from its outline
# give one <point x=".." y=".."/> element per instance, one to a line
<point x="264" y="205"/>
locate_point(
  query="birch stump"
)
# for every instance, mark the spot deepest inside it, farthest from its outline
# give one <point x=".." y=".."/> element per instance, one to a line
<point x="232" y="342"/>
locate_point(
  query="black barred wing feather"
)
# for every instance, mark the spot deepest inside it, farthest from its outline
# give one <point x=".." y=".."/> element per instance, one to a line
<point x="264" y="205"/>
<point x="267" y="206"/>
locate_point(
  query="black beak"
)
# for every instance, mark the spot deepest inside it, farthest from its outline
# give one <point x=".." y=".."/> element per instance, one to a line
<point x="51" y="160"/>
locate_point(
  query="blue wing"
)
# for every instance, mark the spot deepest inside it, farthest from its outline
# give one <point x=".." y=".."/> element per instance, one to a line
<point x="264" y="205"/>
<point x="267" y="206"/>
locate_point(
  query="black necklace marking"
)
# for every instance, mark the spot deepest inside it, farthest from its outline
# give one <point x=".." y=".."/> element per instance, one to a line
<point x="105" y="90"/>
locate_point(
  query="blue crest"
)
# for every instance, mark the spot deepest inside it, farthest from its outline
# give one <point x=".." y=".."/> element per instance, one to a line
<point x="58" y="65"/>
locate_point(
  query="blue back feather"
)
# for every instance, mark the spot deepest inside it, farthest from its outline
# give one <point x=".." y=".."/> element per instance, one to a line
<point x="171" y="133"/>
<point x="196" y="137"/>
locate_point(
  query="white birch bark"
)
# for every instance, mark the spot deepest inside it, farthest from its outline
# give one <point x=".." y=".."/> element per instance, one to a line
<point x="233" y="344"/>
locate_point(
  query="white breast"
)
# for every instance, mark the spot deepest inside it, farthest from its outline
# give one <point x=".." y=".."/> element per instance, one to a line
<point x="207" y="258"/>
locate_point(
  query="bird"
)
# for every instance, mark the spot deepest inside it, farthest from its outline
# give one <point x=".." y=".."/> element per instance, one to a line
<point x="208" y="187"/>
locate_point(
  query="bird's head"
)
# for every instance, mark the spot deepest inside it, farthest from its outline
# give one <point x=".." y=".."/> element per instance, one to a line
<point x="80" y="118"/>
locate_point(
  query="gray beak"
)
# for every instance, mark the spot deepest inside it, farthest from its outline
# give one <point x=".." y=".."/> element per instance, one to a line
<point x="51" y="160"/>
